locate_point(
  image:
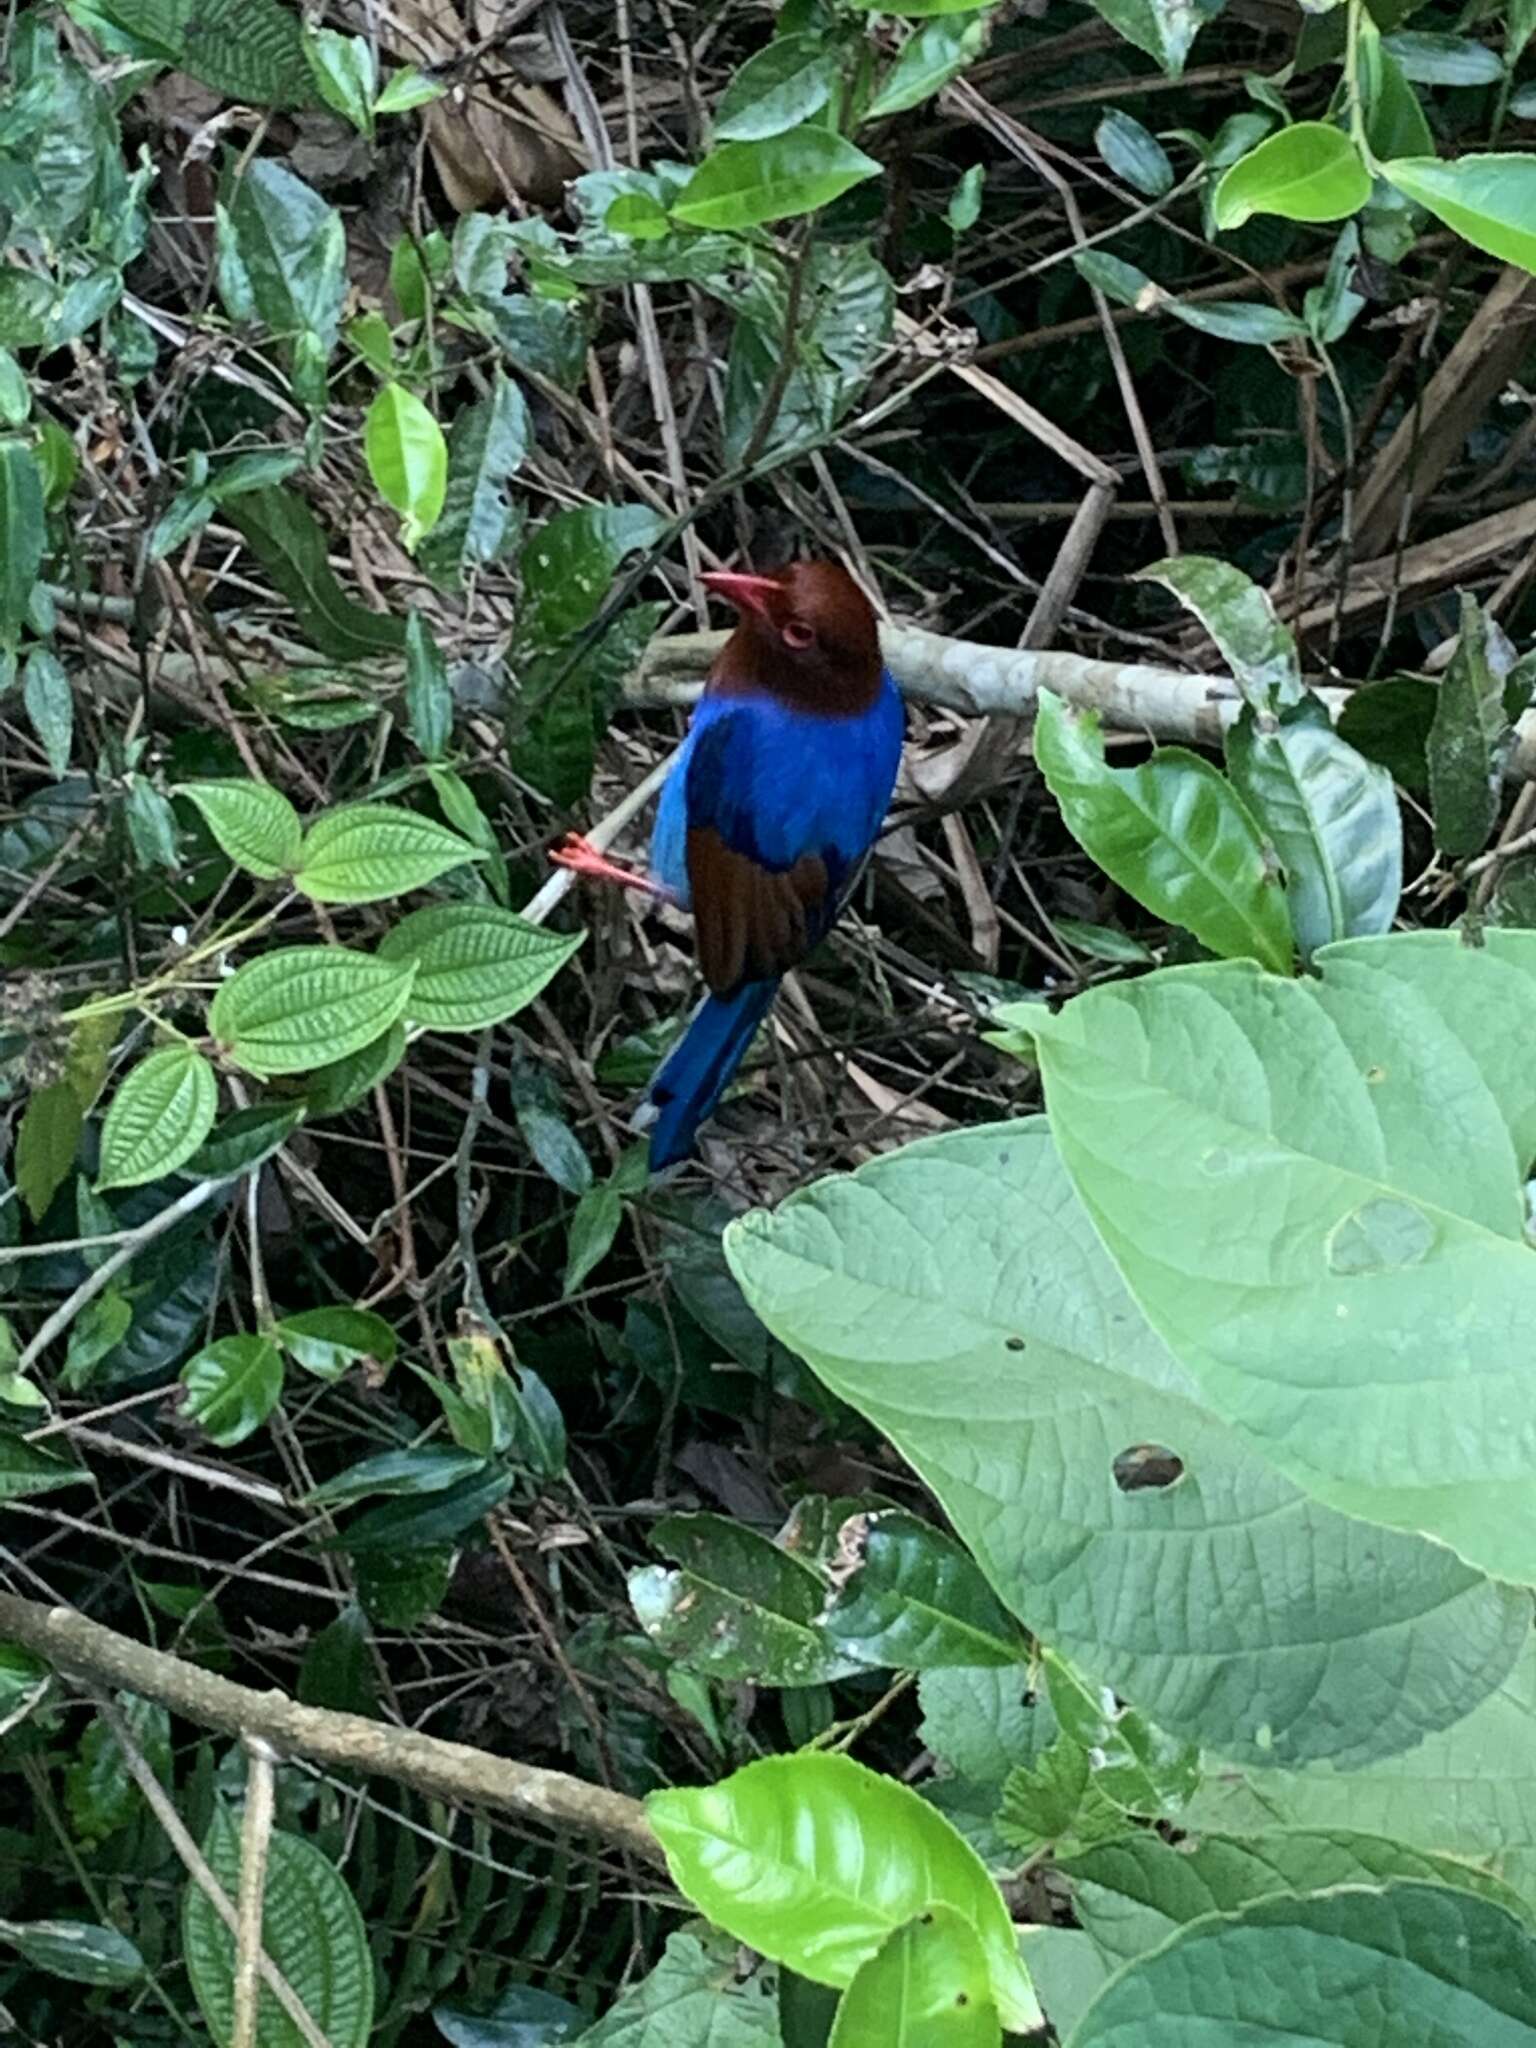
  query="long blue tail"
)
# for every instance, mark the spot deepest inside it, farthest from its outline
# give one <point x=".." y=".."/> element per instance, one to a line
<point x="694" y="1074"/>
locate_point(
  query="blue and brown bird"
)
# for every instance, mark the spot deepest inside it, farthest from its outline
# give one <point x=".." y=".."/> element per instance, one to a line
<point x="774" y="800"/>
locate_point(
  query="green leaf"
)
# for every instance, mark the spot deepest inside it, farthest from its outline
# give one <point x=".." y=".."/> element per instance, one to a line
<point x="1385" y="1112"/>
<point x="1240" y="618"/>
<point x="428" y="693"/>
<point x="740" y="1608"/>
<point x="438" y="1519"/>
<point x="926" y="1988"/>
<point x="310" y="1927"/>
<point x="46" y="1143"/>
<point x="232" y="1387"/>
<point x="1308" y="171"/>
<point x="1395" y="124"/>
<point x="487" y="444"/>
<point x="244" y="1139"/>
<point x="696" y="1997"/>
<point x="939" y="51"/>
<point x="342" y="1084"/>
<point x="338" y="1670"/>
<point x="1252" y="326"/>
<point x="1131" y="1894"/>
<point x="750" y="184"/>
<point x="1163" y="28"/>
<point x="920" y="9"/>
<point x="570" y="562"/>
<point x="159" y="1116"/>
<point x="1333" y="819"/>
<point x="1102" y="942"/>
<point x="1172" y="831"/>
<point x="15" y="398"/>
<point x="76" y="1950"/>
<point x="151" y="825"/>
<point x="366" y="853"/>
<point x="475" y="964"/>
<point x="50" y="707"/>
<point x="428" y="1468"/>
<point x="815" y="1861"/>
<point x="304" y="1006"/>
<point x="22" y="535"/>
<point x="1389" y="722"/>
<point x="345" y="74"/>
<point x="964" y="208"/>
<point x="101" y="1796"/>
<point x="1443" y="60"/>
<point x="1355" y="1967"/>
<point x="913" y="1600"/>
<point x="407" y="459"/>
<point x="1133" y="153"/>
<point x="254" y="824"/>
<point x="293" y="249"/>
<point x="1469" y="739"/>
<point x="1490" y="200"/>
<point x="281" y="531"/>
<point x="786" y="82"/>
<point x="1009" y="1367"/>
<point x="407" y="88"/>
<point x="27" y="1468"/>
<point x="638" y="215"/>
<point x="330" y="1341"/>
<point x="594" y="1226"/>
<point x="1332" y="307"/>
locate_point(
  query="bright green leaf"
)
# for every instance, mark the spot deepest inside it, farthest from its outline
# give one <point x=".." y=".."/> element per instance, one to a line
<point x="232" y="1387"/>
<point x="330" y="1341"/>
<point x="366" y="853"/>
<point x="304" y="1006"/>
<point x="1308" y="171"/>
<point x="1490" y="200"/>
<point x="407" y="459"/>
<point x="475" y="964"/>
<point x="161" y="1113"/>
<point x="750" y="184"/>
<point x="939" y="51"/>
<point x="926" y="1988"/>
<point x="787" y="81"/>
<point x="254" y="824"/>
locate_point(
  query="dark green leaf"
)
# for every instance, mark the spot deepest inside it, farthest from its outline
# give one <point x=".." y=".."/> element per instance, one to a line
<point x="232" y="1387"/>
<point x="1469" y="739"/>
<point x="76" y="1950"/>
<point x="486" y="445"/>
<point x="440" y="1518"/>
<point x="428" y="1468"/>
<point x="1390" y="723"/>
<point x="787" y="81"/>
<point x="281" y="531"/>
<point x="21" y="534"/>
<point x="1132" y="152"/>
<point x="914" y="1600"/>
<point x="1429" y="59"/>
<point x="1240" y="618"/>
<point x="292" y="247"/>
<point x="330" y="1341"/>
<point x="243" y="1140"/>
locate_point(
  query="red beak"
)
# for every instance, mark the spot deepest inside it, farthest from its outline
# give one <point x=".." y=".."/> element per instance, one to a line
<point x="748" y="593"/>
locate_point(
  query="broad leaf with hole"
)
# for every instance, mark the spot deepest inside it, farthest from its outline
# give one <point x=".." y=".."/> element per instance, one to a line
<point x="254" y="824"/>
<point x="914" y="1600"/>
<point x="1172" y="831"/>
<point x="232" y="1387"/>
<point x="815" y="1862"/>
<point x="1331" y="816"/>
<point x="161" y="1113"/>
<point x="304" y="1006"/>
<point x="750" y="184"/>
<point x="1489" y="200"/>
<point x="926" y="1988"/>
<point x="1240" y="618"/>
<point x="1315" y="1190"/>
<point x="366" y="853"/>
<point x="1308" y="171"/>
<point x="1010" y="1369"/>
<point x="475" y="964"/>
<point x="310" y="1927"/>
<point x="1352" y="1968"/>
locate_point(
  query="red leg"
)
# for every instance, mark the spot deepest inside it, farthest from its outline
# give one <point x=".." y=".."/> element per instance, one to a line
<point x="584" y="859"/>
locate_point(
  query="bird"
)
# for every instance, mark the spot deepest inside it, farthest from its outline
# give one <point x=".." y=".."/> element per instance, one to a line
<point x="775" y="798"/>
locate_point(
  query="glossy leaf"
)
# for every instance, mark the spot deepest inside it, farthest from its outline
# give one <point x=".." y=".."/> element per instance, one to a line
<point x="750" y="184"/>
<point x="1490" y="200"/>
<point x="161" y="1113"/>
<point x="28" y="1468"/>
<point x="1332" y="817"/>
<point x="787" y="81"/>
<point x="1308" y="171"/>
<point x="914" y="1600"/>
<point x="244" y="1139"/>
<point x="475" y="964"/>
<point x="407" y="459"/>
<point x="815" y="1861"/>
<point x="1172" y="831"/>
<point x="293" y="249"/>
<point x="76" y="1950"/>
<point x="310" y="1927"/>
<point x="330" y="1341"/>
<point x="410" y="1525"/>
<point x="366" y="853"/>
<point x="428" y="1468"/>
<point x="232" y="1387"/>
<point x="22" y="534"/>
<point x="1387" y="1111"/>
<point x="937" y="52"/>
<point x="1430" y="59"/>
<point x="1468" y="739"/>
<point x="1352" y="1968"/>
<point x="1010" y="1369"/>
<point x="1133" y="153"/>
<point x="1240" y="618"/>
<point x="296" y="1009"/>
<point x="926" y="1988"/>
<point x="254" y="824"/>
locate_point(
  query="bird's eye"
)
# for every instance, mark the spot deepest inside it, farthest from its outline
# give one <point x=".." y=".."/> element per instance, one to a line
<point x="799" y="635"/>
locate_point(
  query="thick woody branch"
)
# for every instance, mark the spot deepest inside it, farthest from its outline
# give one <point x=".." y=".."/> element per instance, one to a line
<point x="82" y="1649"/>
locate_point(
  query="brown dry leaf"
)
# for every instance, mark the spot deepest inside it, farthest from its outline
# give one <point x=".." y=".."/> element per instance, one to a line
<point x="492" y="144"/>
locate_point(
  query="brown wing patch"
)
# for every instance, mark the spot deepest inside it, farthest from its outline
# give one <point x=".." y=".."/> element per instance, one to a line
<point x="749" y="922"/>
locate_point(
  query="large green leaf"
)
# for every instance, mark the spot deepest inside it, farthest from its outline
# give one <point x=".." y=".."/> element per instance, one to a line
<point x="1352" y="1968"/>
<point x="311" y="1929"/>
<point x="1172" y="831"/>
<point x="926" y="1988"/>
<point x="305" y="1006"/>
<point x="956" y="1294"/>
<point x="1315" y="1190"/>
<point x="1308" y="171"/>
<point x="475" y="964"/>
<point x="815" y="1861"/>
<point x="786" y="82"/>
<point x="749" y="184"/>
<point x="486" y="445"/>
<point x="1333" y="819"/>
<point x="253" y="823"/>
<point x="1489" y="200"/>
<point x="366" y="853"/>
<point x="161" y="1113"/>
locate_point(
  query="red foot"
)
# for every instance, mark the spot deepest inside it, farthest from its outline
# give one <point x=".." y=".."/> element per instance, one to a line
<point x="584" y="859"/>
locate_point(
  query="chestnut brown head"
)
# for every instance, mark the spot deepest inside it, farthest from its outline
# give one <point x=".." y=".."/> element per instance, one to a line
<point x="807" y="633"/>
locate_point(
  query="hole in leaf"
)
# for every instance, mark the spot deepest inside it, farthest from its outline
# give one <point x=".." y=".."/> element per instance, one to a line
<point x="1147" y="1467"/>
<point x="1013" y="1343"/>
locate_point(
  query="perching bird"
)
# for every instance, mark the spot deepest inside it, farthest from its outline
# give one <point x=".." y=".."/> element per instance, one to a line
<point x="774" y="800"/>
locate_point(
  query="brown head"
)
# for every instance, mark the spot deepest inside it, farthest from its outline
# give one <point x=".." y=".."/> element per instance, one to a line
<point x="806" y="634"/>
